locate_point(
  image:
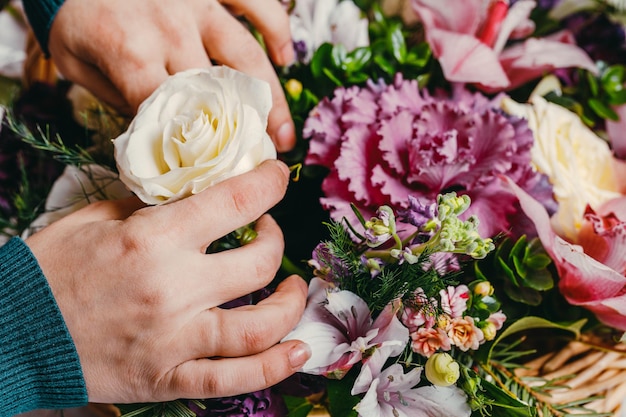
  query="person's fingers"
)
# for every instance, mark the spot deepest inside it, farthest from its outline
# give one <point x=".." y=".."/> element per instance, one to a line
<point x="93" y="80"/>
<point x="247" y="330"/>
<point x="202" y="218"/>
<point x="136" y="80"/>
<point x="105" y="210"/>
<point x="207" y="378"/>
<point x="229" y="42"/>
<point x="272" y="21"/>
<point x="263" y="256"/>
<point x="190" y="52"/>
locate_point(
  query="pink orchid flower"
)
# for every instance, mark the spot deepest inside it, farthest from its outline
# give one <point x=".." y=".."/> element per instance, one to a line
<point x="389" y="392"/>
<point x="469" y="38"/>
<point x="338" y="327"/>
<point x="592" y="271"/>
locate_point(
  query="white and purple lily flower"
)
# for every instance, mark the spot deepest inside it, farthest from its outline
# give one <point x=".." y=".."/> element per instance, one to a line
<point x="389" y="392"/>
<point x="341" y="332"/>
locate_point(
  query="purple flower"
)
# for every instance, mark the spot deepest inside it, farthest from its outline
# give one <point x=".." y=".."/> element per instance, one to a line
<point x="422" y="216"/>
<point x="265" y="403"/>
<point x="326" y="265"/>
<point x="382" y="143"/>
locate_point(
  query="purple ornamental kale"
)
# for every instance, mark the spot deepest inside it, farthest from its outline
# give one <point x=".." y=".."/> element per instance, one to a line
<point x="265" y="403"/>
<point x="383" y="143"/>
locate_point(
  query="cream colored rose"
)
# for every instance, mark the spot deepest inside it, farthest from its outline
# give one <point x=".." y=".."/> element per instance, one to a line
<point x="442" y="370"/>
<point x="580" y="165"/>
<point x="198" y="128"/>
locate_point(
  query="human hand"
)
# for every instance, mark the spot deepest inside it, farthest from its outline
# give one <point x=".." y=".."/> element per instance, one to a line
<point x="121" y="50"/>
<point x="139" y="294"/>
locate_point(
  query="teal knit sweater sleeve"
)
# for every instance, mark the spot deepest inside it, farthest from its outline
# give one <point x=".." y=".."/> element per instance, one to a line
<point x="40" y="14"/>
<point x="39" y="365"/>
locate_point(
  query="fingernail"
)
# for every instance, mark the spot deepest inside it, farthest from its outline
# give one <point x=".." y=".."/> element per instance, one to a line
<point x="298" y="355"/>
<point x="285" y="137"/>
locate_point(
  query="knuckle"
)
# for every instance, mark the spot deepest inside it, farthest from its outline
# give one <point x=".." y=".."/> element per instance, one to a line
<point x="255" y="337"/>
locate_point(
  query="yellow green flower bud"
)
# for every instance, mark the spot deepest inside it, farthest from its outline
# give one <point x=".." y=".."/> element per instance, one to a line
<point x="489" y="330"/>
<point x="442" y="370"/>
<point x="483" y="289"/>
<point x="294" y="88"/>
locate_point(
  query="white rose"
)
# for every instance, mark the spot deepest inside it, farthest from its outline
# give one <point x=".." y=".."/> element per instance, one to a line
<point x="198" y="128"/>
<point x="580" y="165"/>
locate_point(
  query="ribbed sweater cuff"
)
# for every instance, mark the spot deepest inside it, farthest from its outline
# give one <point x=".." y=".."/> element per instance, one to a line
<point x="39" y="365"/>
<point x="40" y="14"/>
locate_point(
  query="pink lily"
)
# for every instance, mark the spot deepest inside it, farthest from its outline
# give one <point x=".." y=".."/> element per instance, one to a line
<point x="339" y="328"/>
<point x="389" y="392"/>
<point x="469" y="38"/>
<point x="592" y="272"/>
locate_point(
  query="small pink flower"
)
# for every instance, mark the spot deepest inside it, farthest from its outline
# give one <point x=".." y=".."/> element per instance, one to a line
<point x="420" y="315"/>
<point x="498" y="318"/>
<point x="454" y="300"/>
<point x="429" y="341"/>
<point x="464" y="334"/>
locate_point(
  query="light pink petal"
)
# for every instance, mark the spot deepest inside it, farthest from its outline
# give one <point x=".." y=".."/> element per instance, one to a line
<point x="370" y="370"/>
<point x="351" y="311"/>
<point x="534" y="57"/>
<point x="391" y="330"/>
<point x="604" y="239"/>
<point x="395" y="133"/>
<point x="323" y="338"/>
<point x="517" y="17"/>
<point x="433" y="401"/>
<point x="616" y="206"/>
<point x="465" y="59"/>
<point x="391" y="186"/>
<point x="615" y="131"/>
<point x="464" y="17"/>
<point x="359" y="152"/>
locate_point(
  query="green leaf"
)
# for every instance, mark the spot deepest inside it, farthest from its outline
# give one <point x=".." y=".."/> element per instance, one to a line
<point x="339" y="55"/>
<point x="357" y="59"/>
<point x="593" y="84"/>
<point x="602" y="109"/>
<point x="540" y="280"/>
<point x="384" y="65"/>
<point x="523" y="295"/>
<point x="617" y="97"/>
<point x="539" y="261"/>
<point x="297" y="406"/>
<point x="321" y="59"/>
<point x="397" y="44"/>
<point x="532" y="322"/>
<point x="613" y="79"/>
<point x="341" y="402"/>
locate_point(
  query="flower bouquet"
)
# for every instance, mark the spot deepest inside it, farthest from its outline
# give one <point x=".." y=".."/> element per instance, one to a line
<point x="457" y="205"/>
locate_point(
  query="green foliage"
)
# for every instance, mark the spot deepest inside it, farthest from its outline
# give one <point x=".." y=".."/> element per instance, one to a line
<point x="395" y="281"/>
<point x="55" y="147"/>
<point x="391" y="51"/>
<point x="593" y="97"/>
<point x="523" y="267"/>
<point x="297" y="406"/>
<point x="340" y="402"/>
